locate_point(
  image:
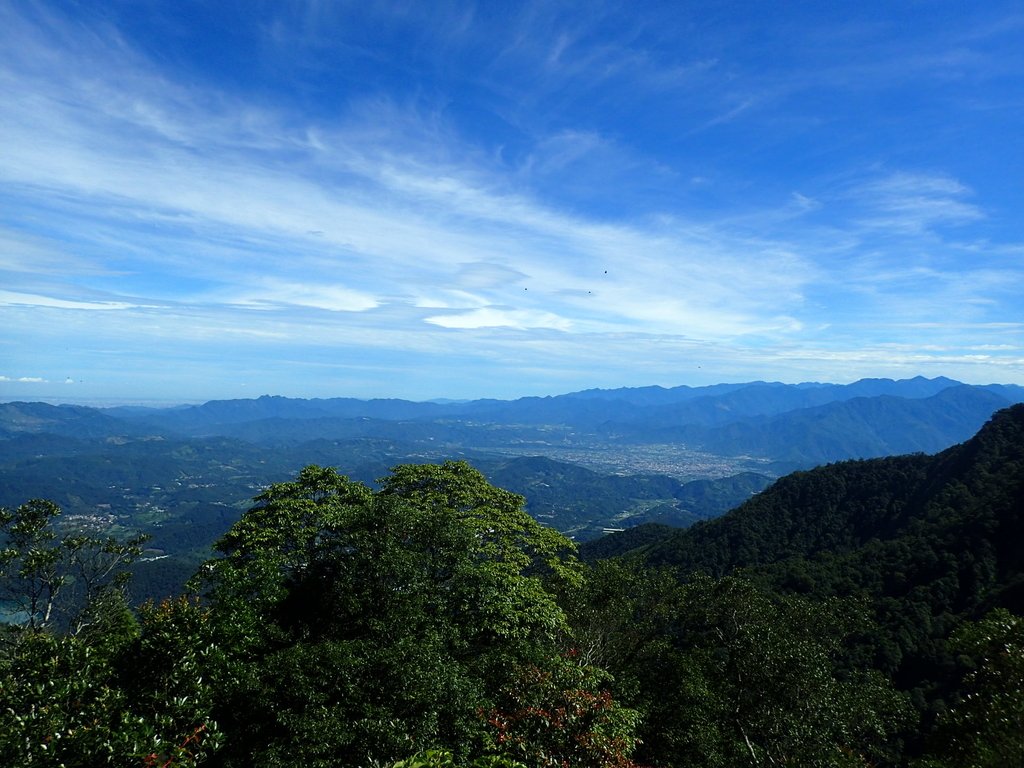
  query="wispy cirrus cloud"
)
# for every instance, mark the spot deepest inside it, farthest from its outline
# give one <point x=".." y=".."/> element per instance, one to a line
<point x="493" y="317"/>
<point x="391" y="221"/>
<point x="333" y="298"/>
<point x="13" y="298"/>
<point x="913" y="203"/>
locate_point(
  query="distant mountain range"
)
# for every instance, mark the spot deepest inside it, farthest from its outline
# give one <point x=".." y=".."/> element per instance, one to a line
<point x="796" y="426"/>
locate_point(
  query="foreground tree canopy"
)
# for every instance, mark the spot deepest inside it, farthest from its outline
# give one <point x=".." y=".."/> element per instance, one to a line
<point x="368" y="625"/>
<point x="431" y="622"/>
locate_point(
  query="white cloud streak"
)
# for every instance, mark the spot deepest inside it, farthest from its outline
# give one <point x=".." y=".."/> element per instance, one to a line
<point x="12" y="298"/>
<point x="392" y="223"/>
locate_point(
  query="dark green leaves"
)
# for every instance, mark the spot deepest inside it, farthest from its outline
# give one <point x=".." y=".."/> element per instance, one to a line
<point x="361" y="625"/>
<point x="985" y="728"/>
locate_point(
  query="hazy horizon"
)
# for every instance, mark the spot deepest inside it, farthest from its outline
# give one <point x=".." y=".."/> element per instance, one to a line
<point x="114" y="402"/>
<point x="455" y="200"/>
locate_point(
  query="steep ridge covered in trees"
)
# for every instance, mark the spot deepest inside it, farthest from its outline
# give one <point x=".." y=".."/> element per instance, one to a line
<point x="856" y="518"/>
<point x="924" y="542"/>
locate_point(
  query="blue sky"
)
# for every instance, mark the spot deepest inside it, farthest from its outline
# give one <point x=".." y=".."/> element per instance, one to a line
<point x="424" y="199"/>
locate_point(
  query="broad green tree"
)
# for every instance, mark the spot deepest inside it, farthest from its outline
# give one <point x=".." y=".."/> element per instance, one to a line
<point x="363" y="625"/>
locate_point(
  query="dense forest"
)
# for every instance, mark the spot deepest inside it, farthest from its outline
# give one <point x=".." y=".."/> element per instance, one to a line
<point x="861" y="613"/>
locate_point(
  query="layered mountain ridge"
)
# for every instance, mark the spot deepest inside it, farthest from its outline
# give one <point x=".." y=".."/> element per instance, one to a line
<point x="798" y="425"/>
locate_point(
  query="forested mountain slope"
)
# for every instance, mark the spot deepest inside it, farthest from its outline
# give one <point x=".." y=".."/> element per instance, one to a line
<point x="929" y="547"/>
<point x="971" y="494"/>
<point x="927" y="541"/>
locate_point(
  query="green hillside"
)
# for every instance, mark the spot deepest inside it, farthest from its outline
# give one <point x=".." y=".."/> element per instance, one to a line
<point x="924" y="543"/>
